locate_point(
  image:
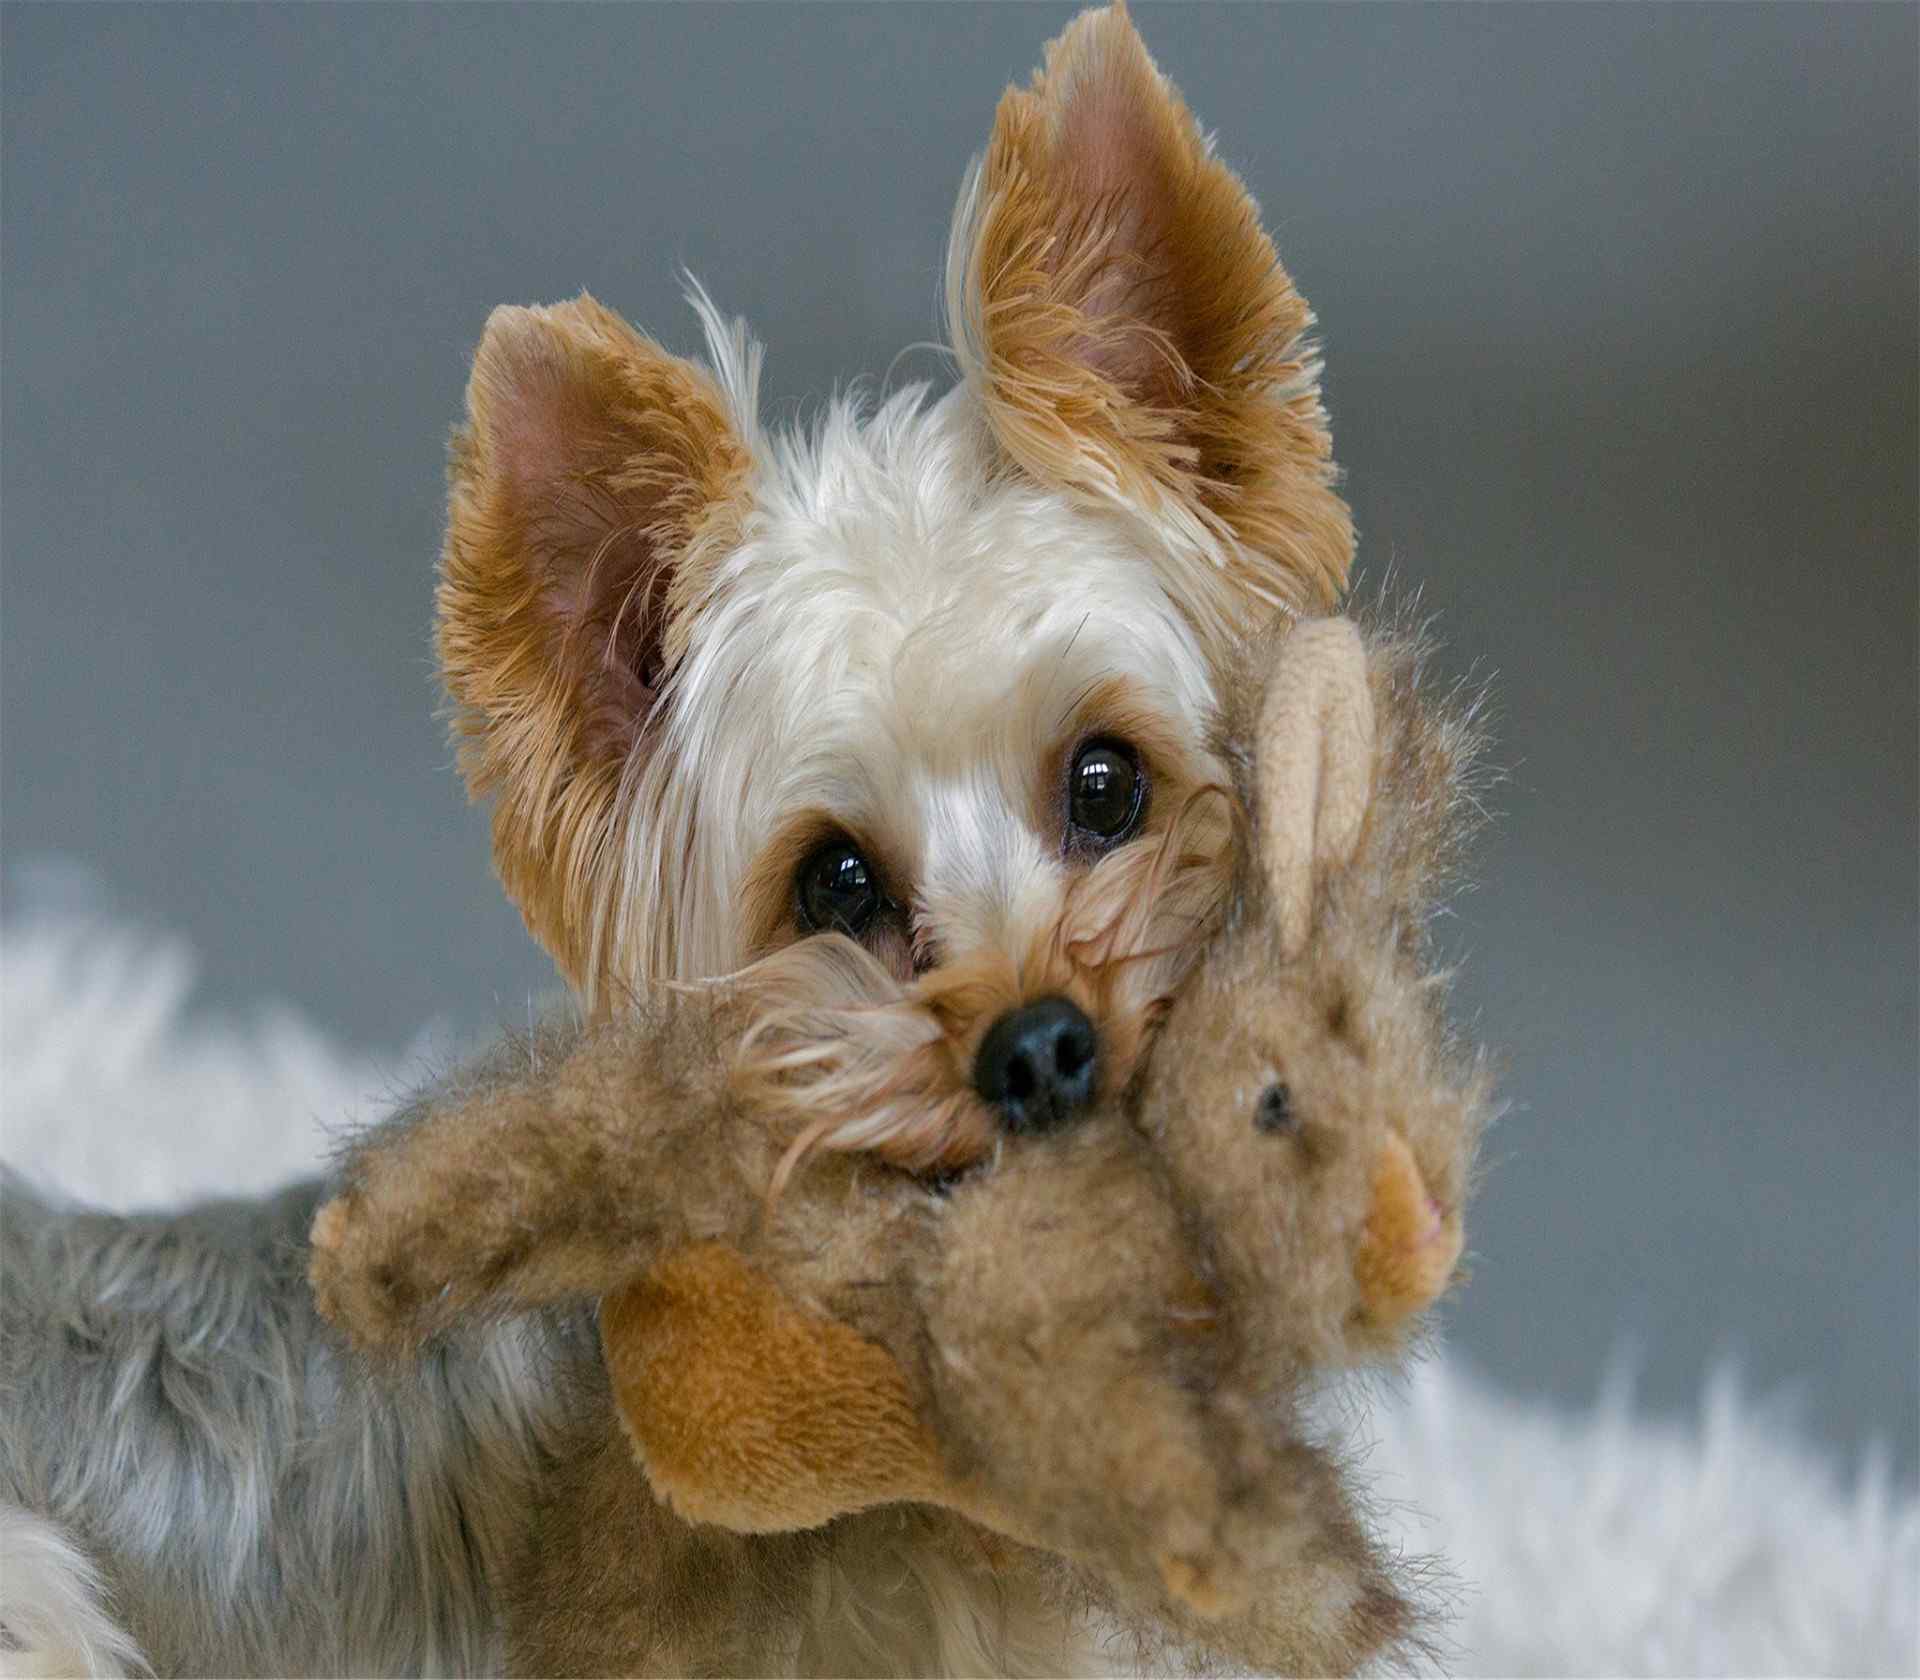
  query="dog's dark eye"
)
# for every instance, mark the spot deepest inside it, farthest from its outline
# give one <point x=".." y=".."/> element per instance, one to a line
<point x="838" y="890"/>
<point x="1106" y="793"/>
<point x="1274" y="1111"/>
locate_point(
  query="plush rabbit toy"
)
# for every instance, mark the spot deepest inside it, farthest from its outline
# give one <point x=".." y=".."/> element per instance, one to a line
<point x="1063" y="1382"/>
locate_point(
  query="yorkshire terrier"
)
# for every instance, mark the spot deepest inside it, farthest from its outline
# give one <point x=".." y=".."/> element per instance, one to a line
<point x="939" y="677"/>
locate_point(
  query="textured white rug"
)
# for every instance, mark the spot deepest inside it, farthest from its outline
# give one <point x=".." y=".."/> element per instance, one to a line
<point x="1589" y="1544"/>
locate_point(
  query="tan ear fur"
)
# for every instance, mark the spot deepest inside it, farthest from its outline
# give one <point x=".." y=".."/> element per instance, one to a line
<point x="1133" y="334"/>
<point x="597" y="481"/>
<point x="1314" y="767"/>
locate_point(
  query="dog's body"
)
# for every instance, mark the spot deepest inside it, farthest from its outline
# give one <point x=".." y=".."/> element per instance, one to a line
<point x="255" y="1503"/>
<point x="940" y="678"/>
<point x="198" y="1478"/>
<point x="910" y="676"/>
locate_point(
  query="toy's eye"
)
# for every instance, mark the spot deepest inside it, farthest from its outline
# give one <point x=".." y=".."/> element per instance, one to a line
<point x="1106" y="794"/>
<point x="837" y="889"/>
<point x="940" y="1182"/>
<point x="1274" y="1111"/>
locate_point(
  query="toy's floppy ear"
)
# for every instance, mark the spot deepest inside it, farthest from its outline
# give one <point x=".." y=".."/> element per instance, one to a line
<point x="596" y="482"/>
<point x="750" y="1412"/>
<point x="1133" y="336"/>
<point x="1313" y="768"/>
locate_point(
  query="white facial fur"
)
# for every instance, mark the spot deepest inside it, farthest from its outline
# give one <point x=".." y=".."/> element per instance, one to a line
<point x="898" y="643"/>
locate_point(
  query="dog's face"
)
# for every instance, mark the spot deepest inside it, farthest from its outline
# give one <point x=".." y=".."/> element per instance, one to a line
<point x="936" y="679"/>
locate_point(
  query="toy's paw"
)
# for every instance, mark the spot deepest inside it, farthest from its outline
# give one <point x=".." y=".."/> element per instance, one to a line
<point x="1210" y="1586"/>
<point x="374" y="1291"/>
<point x="364" y="1303"/>
<point x="1410" y="1244"/>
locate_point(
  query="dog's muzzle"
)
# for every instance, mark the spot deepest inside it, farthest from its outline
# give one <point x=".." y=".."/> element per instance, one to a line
<point x="1037" y="1065"/>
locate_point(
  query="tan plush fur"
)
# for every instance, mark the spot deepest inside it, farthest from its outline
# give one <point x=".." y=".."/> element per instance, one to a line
<point x="1087" y="1347"/>
<point x="1382" y="1103"/>
<point x="818" y="1409"/>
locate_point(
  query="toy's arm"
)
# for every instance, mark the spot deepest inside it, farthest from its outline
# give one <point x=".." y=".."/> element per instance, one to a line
<point x="1323" y="1601"/>
<point x="556" y="1172"/>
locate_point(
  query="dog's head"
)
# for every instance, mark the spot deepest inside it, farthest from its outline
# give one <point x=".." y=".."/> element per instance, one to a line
<point x="937" y="678"/>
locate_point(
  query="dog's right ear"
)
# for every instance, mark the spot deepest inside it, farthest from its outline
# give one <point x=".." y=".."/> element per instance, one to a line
<point x="595" y="486"/>
<point x="1134" y="338"/>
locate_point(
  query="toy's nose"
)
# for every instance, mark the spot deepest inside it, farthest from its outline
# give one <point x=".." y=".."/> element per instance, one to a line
<point x="1409" y="1246"/>
<point x="1036" y="1065"/>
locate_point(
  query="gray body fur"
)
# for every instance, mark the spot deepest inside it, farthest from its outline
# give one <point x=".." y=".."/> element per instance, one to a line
<point x="256" y="1499"/>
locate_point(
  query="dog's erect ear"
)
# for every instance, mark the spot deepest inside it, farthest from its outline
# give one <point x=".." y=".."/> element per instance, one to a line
<point x="1133" y="335"/>
<point x="595" y="485"/>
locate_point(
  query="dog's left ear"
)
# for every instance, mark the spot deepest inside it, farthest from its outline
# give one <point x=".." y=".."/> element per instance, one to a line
<point x="1134" y="337"/>
<point x="597" y="483"/>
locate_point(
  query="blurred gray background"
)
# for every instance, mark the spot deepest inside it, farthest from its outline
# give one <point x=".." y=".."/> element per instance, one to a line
<point x="1620" y="314"/>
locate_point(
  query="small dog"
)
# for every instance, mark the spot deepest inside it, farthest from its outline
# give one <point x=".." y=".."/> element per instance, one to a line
<point x="938" y="677"/>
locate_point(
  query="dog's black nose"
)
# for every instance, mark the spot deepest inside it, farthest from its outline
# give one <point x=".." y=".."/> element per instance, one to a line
<point x="1036" y="1065"/>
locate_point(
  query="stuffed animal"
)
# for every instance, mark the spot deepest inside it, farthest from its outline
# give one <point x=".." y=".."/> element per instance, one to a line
<point x="1088" y="1348"/>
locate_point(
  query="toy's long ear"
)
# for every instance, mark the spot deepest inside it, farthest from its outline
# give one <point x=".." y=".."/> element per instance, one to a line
<point x="596" y="482"/>
<point x="751" y="1412"/>
<point x="1313" y="768"/>
<point x="1133" y="335"/>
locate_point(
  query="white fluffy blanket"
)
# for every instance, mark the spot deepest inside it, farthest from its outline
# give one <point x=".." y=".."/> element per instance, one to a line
<point x="1590" y="1544"/>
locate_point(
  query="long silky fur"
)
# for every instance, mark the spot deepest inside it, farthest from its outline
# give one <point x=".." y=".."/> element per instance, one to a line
<point x="253" y="1500"/>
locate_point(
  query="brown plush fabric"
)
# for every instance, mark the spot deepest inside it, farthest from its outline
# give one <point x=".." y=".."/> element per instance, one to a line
<point x="1093" y="1343"/>
<point x="1347" y="1206"/>
<point x="752" y="1413"/>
